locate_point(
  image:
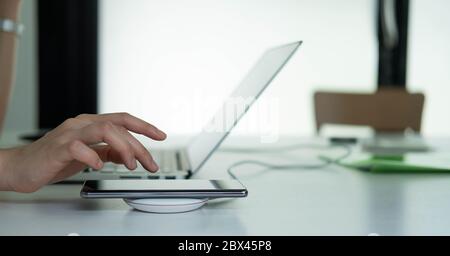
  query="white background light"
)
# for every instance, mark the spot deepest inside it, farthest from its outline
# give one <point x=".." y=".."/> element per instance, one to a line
<point x="429" y="62"/>
<point x="154" y="53"/>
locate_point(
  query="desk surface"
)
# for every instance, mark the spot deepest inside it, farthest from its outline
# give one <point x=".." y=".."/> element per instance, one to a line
<point x="330" y="201"/>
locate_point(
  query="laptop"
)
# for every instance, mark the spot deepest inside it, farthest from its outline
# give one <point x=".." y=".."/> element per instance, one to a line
<point x="182" y="163"/>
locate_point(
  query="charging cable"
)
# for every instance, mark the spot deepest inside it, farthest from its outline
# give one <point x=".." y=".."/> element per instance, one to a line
<point x="325" y="161"/>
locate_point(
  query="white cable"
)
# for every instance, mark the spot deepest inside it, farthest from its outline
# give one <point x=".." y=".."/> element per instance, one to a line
<point x="278" y="149"/>
<point x="325" y="160"/>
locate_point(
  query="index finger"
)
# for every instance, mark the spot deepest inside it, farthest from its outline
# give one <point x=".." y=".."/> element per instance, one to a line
<point x="130" y="122"/>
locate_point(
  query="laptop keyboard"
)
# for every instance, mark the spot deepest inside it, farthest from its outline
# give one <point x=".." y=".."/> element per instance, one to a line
<point x="168" y="161"/>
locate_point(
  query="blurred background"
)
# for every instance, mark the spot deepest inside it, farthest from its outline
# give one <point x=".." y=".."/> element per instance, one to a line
<point x="171" y="62"/>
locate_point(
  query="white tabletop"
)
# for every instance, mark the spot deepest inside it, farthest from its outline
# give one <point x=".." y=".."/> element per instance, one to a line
<point x="329" y="201"/>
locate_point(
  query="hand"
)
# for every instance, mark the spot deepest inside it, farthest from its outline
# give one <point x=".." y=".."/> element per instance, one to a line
<point x="74" y="145"/>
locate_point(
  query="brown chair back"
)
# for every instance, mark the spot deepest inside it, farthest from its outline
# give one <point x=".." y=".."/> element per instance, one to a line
<point x="388" y="110"/>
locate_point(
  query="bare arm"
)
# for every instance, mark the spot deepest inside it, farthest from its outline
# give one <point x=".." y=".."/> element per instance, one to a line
<point x="87" y="140"/>
<point x="9" y="9"/>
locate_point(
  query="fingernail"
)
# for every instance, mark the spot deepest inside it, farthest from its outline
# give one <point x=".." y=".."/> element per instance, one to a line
<point x="155" y="167"/>
<point x="150" y="164"/>
<point x="99" y="164"/>
<point x="163" y="134"/>
<point x="132" y="164"/>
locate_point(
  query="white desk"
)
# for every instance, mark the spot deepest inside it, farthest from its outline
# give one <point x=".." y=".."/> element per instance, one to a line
<point x="332" y="201"/>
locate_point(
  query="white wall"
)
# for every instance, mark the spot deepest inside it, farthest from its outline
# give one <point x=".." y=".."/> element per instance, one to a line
<point x="22" y="110"/>
<point x="429" y="61"/>
<point x="172" y="61"/>
<point x="206" y="45"/>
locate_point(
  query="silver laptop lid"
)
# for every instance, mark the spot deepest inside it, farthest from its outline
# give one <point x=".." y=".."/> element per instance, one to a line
<point x="256" y="81"/>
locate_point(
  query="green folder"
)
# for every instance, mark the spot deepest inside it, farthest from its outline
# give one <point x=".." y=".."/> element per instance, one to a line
<point x="409" y="163"/>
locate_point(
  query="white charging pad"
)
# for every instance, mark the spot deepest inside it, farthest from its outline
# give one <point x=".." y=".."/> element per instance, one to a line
<point x="166" y="205"/>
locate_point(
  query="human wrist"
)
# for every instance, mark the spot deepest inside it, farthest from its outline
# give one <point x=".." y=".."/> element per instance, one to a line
<point x="5" y="170"/>
<point x="10" y="9"/>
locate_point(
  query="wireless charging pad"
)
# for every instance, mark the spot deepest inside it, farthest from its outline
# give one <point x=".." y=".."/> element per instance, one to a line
<point x="166" y="205"/>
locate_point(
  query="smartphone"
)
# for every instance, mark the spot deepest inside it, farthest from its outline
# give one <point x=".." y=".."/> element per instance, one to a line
<point x="163" y="189"/>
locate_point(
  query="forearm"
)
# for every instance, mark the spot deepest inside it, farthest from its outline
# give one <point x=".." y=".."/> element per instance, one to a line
<point x="9" y="9"/>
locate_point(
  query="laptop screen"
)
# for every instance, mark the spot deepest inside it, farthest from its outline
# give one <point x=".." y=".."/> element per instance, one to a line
<point x="234" y="108"/>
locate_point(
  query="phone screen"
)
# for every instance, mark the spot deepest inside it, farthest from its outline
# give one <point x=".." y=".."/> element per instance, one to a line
<point x="163" y="188"/>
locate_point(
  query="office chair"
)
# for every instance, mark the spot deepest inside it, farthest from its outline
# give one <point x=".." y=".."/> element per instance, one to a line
<point x="386" y="111"/>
